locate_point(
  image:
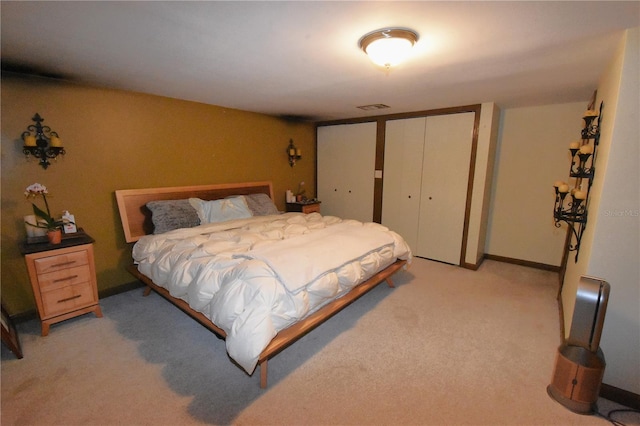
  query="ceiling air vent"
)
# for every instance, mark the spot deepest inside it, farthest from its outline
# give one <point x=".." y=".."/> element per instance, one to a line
<point x="373" y="107"/>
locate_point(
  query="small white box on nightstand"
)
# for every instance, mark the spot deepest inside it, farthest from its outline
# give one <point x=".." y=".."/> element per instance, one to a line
<point x="69" y="221"/>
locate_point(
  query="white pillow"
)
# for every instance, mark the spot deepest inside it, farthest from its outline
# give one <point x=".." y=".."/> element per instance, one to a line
<point x="221" y="210"/>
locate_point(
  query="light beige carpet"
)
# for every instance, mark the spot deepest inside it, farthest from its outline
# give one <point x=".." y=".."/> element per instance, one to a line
<point x="448" y="346"/>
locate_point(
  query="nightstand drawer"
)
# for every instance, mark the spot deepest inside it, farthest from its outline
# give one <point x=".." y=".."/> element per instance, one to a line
<point x="62" y="300"/>
<point x="61" y="261"/>
<point x="304" y="207"/>
<point x="64" y="277"/>
<point x="311" y="208"/>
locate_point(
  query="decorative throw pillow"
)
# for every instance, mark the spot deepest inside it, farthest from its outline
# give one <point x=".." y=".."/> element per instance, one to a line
<point x="221" y="210"/>
<point x="168" y="215"/>
<point x="261" y="205"/>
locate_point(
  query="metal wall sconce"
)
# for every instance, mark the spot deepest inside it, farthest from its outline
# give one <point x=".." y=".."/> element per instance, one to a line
<point x="583" y="157"/>
<point x="44" y="144"/>
<point x="294" y="153"/>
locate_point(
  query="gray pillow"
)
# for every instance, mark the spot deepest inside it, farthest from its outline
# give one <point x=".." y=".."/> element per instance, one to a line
<point x="261" y="205"/>
<point x="168" y="215"/>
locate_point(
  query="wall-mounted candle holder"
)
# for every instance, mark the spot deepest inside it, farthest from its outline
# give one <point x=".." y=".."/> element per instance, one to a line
<point x="41" y="142"/>
<point x="294" y="153"/>
<point x="583" y="156"/>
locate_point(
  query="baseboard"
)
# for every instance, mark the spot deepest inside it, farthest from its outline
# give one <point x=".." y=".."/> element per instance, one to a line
<point x="122" y="288"/>
<point x="25" y="316"/>
<point x="528" y="263"/>
<point x="620" y="396"/>
<point x="473" y="267"/>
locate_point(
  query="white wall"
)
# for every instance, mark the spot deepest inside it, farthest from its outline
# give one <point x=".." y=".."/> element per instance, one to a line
<point x="610" y="246"/>
<point x="532" y="154"/>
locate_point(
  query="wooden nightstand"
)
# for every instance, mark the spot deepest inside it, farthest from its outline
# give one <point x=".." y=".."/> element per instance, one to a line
<point x="304" y="207"/>
<point x="63" y="278"/>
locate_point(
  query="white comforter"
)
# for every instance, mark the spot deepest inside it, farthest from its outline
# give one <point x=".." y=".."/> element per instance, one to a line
<point x="254" y="277"/>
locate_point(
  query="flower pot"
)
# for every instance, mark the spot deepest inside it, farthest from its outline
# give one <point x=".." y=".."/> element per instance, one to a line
<point x="55" y="236"/>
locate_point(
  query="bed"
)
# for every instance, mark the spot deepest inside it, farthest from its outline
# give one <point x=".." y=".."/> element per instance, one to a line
<point x="260" y="280"/>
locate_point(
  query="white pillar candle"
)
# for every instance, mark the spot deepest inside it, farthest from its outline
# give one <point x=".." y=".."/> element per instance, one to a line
<point x="580" y="195"/>
<point x="564" y="188"/>
<point x="29" y="140"/>
<point x="586" y="149"/>
<point x="56" y="142"/>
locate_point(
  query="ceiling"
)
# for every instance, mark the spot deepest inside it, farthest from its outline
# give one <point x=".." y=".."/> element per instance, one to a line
<point x="301" y="59"/>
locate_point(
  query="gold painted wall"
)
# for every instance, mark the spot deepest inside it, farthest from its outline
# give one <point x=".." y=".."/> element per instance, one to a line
<point x="120" y="140"/>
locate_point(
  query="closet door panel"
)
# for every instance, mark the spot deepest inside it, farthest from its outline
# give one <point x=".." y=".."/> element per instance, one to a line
<point x="346" y="164"/>
<point x="328" y="179"/>
<point x="359" y="175"/>
<point x="445" y="174"/>
<point x="402" y="177"/>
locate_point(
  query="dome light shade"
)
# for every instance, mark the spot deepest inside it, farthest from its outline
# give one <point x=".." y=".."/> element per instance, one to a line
<point x="388" y="47"/>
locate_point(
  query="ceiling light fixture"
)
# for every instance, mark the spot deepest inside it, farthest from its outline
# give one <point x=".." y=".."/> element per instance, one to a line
<point x="388" y="47"/>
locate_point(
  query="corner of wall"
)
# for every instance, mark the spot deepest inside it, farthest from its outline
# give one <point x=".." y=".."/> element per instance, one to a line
<point x="608" y="93"/>
<point x="483" y="176"/>
<point x="609" y="247"/>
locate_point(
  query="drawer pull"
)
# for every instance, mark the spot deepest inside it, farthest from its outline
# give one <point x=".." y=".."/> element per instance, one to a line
<point x="57" y="265"/>
<point x="69" y="298"/>
<point x="65" y="278"/>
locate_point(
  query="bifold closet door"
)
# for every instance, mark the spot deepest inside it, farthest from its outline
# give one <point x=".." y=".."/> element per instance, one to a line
<point x="402" y="177"/>
<point x="346" y="168"/>
<point x="445" y="177"/>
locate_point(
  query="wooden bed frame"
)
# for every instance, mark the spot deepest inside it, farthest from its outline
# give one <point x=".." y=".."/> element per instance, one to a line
<point x="136" y="221"/>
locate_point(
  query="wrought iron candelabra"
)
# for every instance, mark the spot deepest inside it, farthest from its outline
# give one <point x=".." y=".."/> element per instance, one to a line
<point x="293" y="153"/>
<point x="571" y="204"/>
<point x="43" y="144"/>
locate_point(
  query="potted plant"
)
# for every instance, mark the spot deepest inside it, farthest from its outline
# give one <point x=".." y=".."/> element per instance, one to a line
<point x="44" y="218"/>
<point x="300" y="192"/>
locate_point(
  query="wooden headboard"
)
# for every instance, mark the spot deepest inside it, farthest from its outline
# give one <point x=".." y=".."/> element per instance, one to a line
<point x="136" y="217"/>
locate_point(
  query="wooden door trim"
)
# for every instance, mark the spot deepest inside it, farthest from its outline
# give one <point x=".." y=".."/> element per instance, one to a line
<point x="401" y="115"/>
<point x="379" y="165"/>
<point x="472" y="170"/>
